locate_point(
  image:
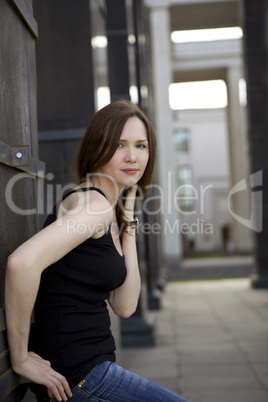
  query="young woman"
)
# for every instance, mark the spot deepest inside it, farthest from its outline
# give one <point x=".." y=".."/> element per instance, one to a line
<point x="84" y="256"/>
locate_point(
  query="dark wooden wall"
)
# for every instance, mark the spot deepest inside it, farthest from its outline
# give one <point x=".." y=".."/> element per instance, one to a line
<point x="65" y="96"/>
<point x="19" y="164"/>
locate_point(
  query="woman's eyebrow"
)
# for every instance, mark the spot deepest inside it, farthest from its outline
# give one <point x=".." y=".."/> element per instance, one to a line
<point x="143" y="140"/>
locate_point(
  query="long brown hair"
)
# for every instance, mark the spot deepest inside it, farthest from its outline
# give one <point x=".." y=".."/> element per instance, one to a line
<point x="101" y="141"/>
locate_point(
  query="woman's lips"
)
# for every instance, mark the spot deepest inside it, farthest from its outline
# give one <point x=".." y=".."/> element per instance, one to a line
<point x="130" y="171"/>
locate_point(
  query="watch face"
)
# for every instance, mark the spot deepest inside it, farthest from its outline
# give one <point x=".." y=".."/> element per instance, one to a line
<point x="135" y="222"/>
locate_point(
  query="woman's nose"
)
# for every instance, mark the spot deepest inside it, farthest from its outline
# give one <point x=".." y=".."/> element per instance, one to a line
<point x="131" y="155"/>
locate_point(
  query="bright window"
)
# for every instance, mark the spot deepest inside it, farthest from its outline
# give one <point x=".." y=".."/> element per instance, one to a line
<point x="181" y="139"/>
<point x="198" y="95"/>
<point x="103" y="97"/>
<point x="186" y="192"/>
<point x="204" y="35"/>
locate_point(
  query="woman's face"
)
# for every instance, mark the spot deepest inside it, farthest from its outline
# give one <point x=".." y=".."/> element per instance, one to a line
<point x="130" y="159"/>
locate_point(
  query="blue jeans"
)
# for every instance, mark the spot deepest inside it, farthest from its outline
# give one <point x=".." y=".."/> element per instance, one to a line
<point x="109" y="382"/>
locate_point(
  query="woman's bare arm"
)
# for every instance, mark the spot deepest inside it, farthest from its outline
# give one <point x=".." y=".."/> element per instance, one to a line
<point x="124" y="299"/>
<point x="23" y="274"/>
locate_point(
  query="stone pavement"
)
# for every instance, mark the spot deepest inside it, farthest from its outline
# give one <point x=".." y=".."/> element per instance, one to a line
<point x="232" y="266"/>
<point x="211" y="343"/>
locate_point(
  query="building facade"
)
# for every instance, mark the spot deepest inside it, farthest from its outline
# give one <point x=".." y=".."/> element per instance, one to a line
<point x="230" y="61"/>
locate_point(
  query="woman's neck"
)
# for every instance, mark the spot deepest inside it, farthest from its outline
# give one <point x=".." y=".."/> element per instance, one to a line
<point x="110" y="188"/>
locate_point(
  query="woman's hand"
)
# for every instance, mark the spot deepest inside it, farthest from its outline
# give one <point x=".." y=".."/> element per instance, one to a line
<point x="38" y="370"/>
<point x="130" y="202"/>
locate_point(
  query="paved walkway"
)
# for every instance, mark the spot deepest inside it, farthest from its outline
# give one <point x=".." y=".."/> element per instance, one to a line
<point x="212" y="342"/>
<point x="213" y="267"/>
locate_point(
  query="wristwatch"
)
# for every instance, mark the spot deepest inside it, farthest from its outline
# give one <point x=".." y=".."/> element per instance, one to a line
<point x="134" y="223"/>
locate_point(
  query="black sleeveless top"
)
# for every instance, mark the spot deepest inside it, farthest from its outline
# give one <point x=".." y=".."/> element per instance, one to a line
<point x="72" y="324"/>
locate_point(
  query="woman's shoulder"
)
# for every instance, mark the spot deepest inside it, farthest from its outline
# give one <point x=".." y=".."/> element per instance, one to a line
<point x="86" y="200"/>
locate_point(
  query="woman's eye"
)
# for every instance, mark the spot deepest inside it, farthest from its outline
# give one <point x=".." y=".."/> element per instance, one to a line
<point x="120" y="145"/>
<point x="141" y="146"/>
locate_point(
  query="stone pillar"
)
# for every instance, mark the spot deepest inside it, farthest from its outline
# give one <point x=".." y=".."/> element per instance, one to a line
<point x="162" y="78"/>
<point x="255" y="21"/>
<point x="135" y="331"/>
<point x="239" y="201"/>
<point x="117" y="35"/>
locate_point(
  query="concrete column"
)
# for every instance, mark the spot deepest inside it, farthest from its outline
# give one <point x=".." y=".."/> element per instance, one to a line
<point x="117" y="34"/>
<point x="162" y="77"/>
<point x="136" y="330"/>
<point x="255" y="25"/>
<point x="239" y="166"/>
